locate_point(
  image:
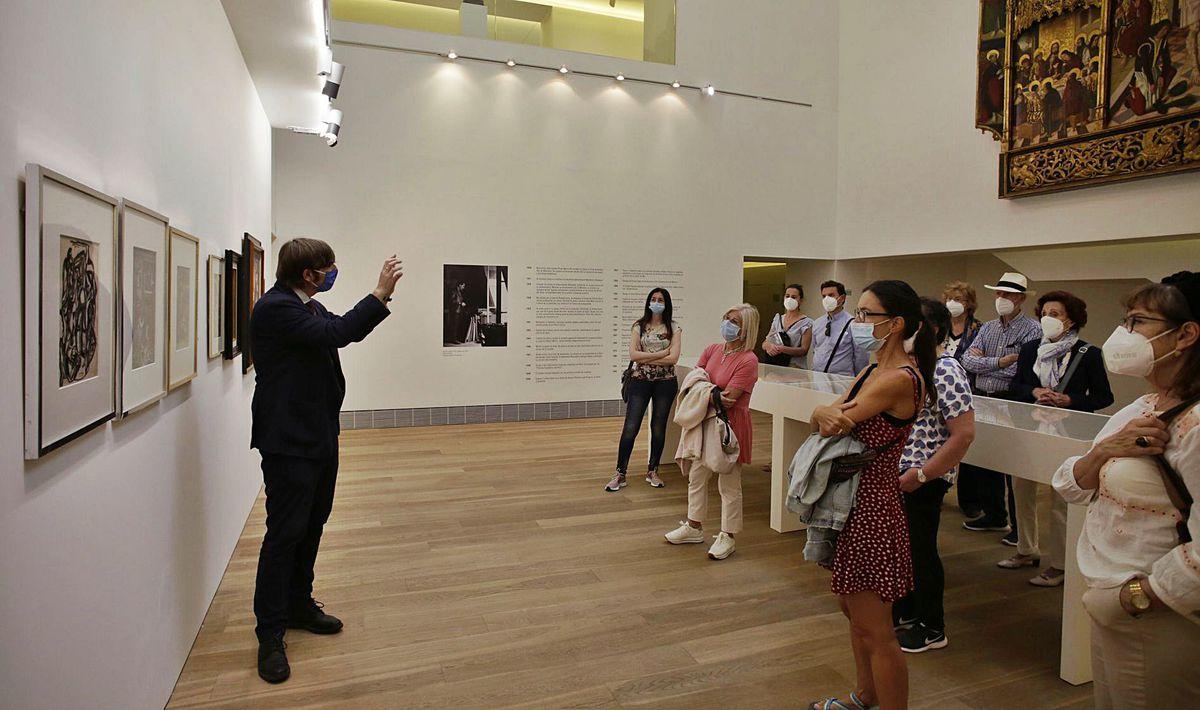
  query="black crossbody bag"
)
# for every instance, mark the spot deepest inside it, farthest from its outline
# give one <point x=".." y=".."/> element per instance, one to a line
<point x="782" y="359"/>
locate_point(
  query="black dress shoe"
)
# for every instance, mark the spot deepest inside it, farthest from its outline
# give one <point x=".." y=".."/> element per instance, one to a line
<point x="310" y="617"/>
<point x="272" y="660"/>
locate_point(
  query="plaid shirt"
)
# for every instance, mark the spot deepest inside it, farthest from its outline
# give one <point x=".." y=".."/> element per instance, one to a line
<point x="996" y="340"/>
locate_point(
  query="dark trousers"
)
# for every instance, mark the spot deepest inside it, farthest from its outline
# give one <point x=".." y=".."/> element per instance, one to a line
<point x="923" y="508"/>
<point x="641" y="394"/>
<point x="981" y="489"/>
<point x="299" y="498"/>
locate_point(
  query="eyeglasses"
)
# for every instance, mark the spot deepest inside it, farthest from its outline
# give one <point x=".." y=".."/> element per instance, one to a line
<point x="862" y="314"/>
<point x="1131" y="322"/>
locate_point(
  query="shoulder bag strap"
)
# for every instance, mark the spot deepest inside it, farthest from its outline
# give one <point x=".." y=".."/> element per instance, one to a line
<point x="1177" y="490"/>
<point x="838" y="343"/>
<point x="1076" y="358"/>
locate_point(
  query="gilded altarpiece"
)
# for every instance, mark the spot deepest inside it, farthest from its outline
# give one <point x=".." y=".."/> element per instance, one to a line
<point x="1095" y="91"/>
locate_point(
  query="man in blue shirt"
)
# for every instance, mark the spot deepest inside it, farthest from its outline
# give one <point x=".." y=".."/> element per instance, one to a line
<point x="992" y="358"/>
<point x="832" y="346"/>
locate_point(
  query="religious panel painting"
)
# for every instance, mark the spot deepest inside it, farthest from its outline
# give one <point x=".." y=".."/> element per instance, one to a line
<point x="989" y="105"/>
<point x="1095" y="91"/>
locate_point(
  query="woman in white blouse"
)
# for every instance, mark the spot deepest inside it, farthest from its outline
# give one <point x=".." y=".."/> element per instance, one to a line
<point x="790" y="337"/>
<point x="1142" y="572"/>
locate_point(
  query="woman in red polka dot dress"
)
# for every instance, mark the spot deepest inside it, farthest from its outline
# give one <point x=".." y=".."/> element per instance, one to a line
<point x="872" y="564"/>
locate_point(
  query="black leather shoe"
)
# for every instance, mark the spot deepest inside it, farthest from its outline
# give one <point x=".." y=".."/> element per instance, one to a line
<point x="310" y="617"/>
<point x="272" y="660"/>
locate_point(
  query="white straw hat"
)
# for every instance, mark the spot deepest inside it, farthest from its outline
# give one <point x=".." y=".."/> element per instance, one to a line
<point x="1011" y="282"/>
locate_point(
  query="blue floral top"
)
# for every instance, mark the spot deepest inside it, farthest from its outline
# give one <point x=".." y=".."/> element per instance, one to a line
<point x="929" y="432"/>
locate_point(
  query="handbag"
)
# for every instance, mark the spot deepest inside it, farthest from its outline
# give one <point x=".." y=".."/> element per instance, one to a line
<point x="1177" y="490"/>
<point x="1075" y="360"/>
<point x="626" y="376"/>
<point x="782" y="359"/>
<point x="729" y="442"/>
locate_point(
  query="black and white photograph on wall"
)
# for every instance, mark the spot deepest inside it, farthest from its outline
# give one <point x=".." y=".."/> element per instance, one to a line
<point x="474" y="306"/>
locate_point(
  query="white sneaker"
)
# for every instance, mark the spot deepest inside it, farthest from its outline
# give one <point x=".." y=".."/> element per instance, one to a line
<point x="685" y="534"/>
<point x="722" y="548"/>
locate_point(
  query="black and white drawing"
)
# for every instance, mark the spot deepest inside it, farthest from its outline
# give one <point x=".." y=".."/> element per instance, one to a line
<point x="474" y="306"/>
<point x="77" y="336"/>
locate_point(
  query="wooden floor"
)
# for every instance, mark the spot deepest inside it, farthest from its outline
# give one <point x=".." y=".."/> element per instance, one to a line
<point x="482" y="566"/>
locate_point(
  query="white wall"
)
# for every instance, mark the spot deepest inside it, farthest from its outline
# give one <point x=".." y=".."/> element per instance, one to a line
<point x="112" y="547"/>
<point x="915" y="176"/>
<point x="473" y="163"/>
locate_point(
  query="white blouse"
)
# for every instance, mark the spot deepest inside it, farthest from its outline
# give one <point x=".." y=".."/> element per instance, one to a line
<point x="1130" y="525"/>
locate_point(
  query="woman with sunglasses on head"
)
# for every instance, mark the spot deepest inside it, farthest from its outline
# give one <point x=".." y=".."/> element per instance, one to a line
<point x="654" y="345"/>
<point x="872" y="562"/>
<point x="1136" y="552"/>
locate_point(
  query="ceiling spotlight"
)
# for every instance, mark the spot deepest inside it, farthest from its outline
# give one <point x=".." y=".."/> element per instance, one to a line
<point x="511" y="63"/>
<point x="563" y="69"/>
<point x="333" y="81"/>
<point x="620" y="77"/>
<point x="452" y="55"/>
<point x="709" y="90"/>
<point x="674" y="84"/>
<point x="333" y="124"/>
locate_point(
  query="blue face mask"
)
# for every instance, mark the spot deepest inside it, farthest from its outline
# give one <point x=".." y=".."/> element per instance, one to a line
<point x="864" y="336"/>
<point x="327" y="283"/>
<point x="657" y="308"/>
<point x="730" y="331"/>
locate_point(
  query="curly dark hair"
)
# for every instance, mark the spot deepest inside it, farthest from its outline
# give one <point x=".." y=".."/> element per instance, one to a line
<point x="1076" y="308"/>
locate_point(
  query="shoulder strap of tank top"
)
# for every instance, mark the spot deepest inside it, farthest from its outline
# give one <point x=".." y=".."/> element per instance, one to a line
<point x="858" y="385"/>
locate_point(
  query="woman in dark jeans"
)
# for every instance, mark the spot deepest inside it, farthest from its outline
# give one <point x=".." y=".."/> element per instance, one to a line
<point x="940" y="438"/>
<point x="654" y="344"/>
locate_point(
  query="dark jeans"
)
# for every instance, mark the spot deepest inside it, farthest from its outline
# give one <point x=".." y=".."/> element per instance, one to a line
<point x="981" y="489"/>
<point x="299" y="498"/>
<point x="923" y="508"/>
<point x="641" y="393"/>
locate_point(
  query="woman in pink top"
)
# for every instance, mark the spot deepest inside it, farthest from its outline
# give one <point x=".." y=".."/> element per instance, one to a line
<point x="733" y="367"/>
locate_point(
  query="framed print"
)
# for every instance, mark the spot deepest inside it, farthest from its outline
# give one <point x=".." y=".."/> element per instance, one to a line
<point x="142" y="377"/>
<point x="216" y="306"/>
<point x="70" y="357"/>
<point x="253" y="282"/>
<point x="183" y="266"/>
<point x="231" y="306"/>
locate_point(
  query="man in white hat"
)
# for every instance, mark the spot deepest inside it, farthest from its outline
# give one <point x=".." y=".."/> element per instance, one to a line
<point x="993" y="360"/>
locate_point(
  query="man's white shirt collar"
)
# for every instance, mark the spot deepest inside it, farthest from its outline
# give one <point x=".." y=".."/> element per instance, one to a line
<point x="304" y="297"/>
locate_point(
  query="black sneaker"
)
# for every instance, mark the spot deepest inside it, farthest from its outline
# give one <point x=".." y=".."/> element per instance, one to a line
<point x="972" y="514"/>
<point x="986" y="524"/>
<point x="920" y="638"/>
<point x="902" y="624"/>
<point x="1010" y="539"/>
<point x="272" y="660"/>
<point x="310" y="617"/>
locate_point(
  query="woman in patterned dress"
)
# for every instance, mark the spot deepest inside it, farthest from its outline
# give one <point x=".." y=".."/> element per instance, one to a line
<point x="872" y="565"/>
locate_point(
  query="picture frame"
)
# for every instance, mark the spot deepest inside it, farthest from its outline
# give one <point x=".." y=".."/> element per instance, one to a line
<point x="143" y="239"/>
<point x="216" y="306"/>
<point x="70" y="309"/>
<point x="183" y="267"/>
<point x="232" y="305"/>
<point x="252" y="287"/>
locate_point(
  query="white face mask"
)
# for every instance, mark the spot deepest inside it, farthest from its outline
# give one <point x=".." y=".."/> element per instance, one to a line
<point x="911" y="341"/>
<point x="1131" y="353"/>
<point x="956" y="309"/>
<point x="1052" y="327"/>
<point x="829" y="303"/>
<point x="1004" y="306"/>
<point x="790" y="303"/>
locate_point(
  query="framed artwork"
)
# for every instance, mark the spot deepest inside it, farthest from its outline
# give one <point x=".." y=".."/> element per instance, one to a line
<point x="183" y="269"/>
<point x="1096" y="91"/>
<point x="142" y="377"/>
<point x="70" y="310"/>
<point x="232" y="304"/>
<point x="989" y="98"/>
<point x="216" y="306"/>
<point x="253" y="284"/>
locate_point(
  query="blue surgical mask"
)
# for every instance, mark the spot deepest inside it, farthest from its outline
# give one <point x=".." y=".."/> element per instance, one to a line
<point x="730" y="331"/>
<point x="327" y="283"/>
<point x="657" y="308"/>
<point x="864" y="336"/>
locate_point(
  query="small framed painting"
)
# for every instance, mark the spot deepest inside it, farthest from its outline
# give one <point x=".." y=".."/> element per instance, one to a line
<point x="183" y="266"/>
<point x="142" y="376"/>
<point x="253" y="283"/>
<point x="216" y="306"/>
<point x="70" y="310"/>
<point x="232" y="305"/>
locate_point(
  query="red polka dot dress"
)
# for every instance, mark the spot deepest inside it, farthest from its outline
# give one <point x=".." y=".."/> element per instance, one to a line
<point x="873" y="553"/>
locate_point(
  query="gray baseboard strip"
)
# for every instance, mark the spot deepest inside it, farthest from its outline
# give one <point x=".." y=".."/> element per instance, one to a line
<point x="480" y="414"/>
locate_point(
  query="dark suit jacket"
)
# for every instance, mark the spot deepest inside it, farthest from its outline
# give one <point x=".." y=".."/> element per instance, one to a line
<point x="299" y="386"/>
<point x="1088" y="388"/>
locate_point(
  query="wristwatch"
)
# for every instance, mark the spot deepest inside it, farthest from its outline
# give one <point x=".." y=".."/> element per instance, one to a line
<point x="921" y="476"/>
<point x="1138" y="599"/>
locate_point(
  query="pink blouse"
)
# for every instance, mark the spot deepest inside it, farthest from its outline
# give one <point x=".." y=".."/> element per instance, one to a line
<point x="735" y="371"/>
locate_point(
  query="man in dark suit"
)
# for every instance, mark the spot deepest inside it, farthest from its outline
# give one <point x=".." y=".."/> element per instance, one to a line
<point x="298" y="395"/>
